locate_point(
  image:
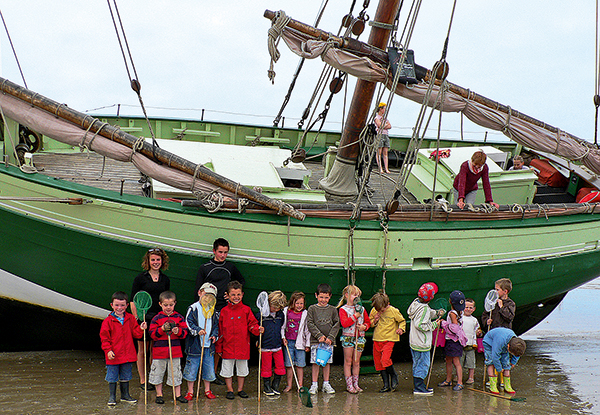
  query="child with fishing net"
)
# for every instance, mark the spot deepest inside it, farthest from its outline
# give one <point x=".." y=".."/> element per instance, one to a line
<point x="422" y="324"/>
<point x="389" y="324"/>
<point x="297" y="336"/>
<point x="354" y="321"/>
<point x="272" y="342"/>
<point x="502" y="349"/>
<point x="116" y="335"/>
<point x="456" y="340"/>
<point x="203" y="325"/>
<point x="167" y="329"/>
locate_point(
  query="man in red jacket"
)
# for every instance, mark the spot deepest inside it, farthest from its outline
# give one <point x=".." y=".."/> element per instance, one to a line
<point x="116" y="336"/>
<point x="236" y="322"/>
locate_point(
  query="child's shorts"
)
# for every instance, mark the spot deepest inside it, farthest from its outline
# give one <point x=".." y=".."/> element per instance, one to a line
<point x="313" y="355"/>
<point x="115" y="373"/>
<point x="158" y="368"/>
<point x="504" y="357"/>
<point x="192" y="364"/>
<point x="241" y="368"/>
<point x="298" y="355"/>
<point x="348" y="342"/>
<point x="468" y="359"/>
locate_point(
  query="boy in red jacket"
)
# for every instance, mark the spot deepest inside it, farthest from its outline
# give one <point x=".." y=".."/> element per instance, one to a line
<point x="236" y="322"/>
<point x="167" y="325"/>
<point x="116" y="337"/>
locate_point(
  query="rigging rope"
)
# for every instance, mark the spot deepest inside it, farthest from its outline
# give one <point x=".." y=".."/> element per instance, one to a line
<point x="597" y="86"/>
<point x="13" y="49"/>
<point x="287" y="97"/>
<point x="134" y="82"/>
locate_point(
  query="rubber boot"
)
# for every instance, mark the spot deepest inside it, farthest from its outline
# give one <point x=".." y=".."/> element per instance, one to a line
<point x="112" y="394"/>
<point x="350" y="385"/>
<point x="267" y="387"/>
<point x="275" y="384"/>
<point x="385" y="376"/>
<point x="125" y="396"/>
<point x="494" y="385"/>
<point x="393" y="377"/>
<point x="355" y="383"/>
<point x="507" y="386"/>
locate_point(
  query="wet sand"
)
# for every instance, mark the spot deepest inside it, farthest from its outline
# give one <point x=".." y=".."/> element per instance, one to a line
<point x="556" y="376"/>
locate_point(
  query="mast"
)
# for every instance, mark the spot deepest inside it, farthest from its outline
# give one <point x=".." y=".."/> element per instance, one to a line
<point x="340" y="181"/>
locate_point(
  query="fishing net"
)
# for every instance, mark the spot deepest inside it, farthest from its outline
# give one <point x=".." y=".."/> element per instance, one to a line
<point x="490" y="300"/>
<point x="262" y="302"/>
<point x="442" y="305"/>
<point x="208" y="302"/>
<point x="358" y="305"/>
<point x="143" y="302"/>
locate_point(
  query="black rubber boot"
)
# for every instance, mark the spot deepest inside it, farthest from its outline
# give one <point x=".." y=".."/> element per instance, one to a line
<point x="125" y="396"/>
<point x="275" y="384"/>
<point x="267" y="387"/>
<point x="393" y="377"/>
<point x="386" y="381"/>
<point x="112" y="394"/>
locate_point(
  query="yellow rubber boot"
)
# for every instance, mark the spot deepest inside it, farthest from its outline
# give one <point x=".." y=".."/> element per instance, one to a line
<point x="494" y="385"/>
<point x="507" y="386"/>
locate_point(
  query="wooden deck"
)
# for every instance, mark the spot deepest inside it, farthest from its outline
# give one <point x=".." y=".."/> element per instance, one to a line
<point x="104" y="173"/>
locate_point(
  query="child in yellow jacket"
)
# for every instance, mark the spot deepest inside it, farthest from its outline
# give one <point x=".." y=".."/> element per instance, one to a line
<point x="389" y="325"/>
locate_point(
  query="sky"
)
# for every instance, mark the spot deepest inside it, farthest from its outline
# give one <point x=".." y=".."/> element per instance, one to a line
<point x="538" y="57"/>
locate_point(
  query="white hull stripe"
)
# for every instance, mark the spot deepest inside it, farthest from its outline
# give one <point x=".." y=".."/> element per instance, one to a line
<point x="19" y="289"/>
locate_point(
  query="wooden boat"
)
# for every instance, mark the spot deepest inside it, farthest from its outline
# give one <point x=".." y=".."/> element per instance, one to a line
<point x="73" y="244"/>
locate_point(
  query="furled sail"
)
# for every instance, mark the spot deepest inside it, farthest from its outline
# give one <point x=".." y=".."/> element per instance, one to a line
<point x="515" y="125"/>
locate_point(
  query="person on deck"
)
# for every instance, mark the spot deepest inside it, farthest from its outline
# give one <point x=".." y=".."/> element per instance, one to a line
<point x="465" y="182"/>
<point x="154" y="282"/>
<point x="220" y="273"/>
<point x="383" y="138"/>
<point x="518" y="164"/>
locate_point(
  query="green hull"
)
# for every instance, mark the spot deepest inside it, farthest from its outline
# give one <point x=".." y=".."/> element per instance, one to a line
<point x="87" y="252"/>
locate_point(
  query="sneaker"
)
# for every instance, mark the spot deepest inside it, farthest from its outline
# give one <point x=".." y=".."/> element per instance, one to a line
<point x="230" y="395"/>
<point x="181" y="399"/>
<point x="327" y="388"/>
<point x="428" y="392"/>
<point x="242" y="394"/>
<point x="313" y="389"/>
<point x="189" y="396"/>
<point x="209" y="395"/>
<point x="218" y="381"/>
<point x="160" y="400"/>
<point x="148" y="387"/>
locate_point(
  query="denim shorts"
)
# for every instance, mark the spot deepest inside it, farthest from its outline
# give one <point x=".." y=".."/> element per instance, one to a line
<point x="115" y="373"/>
<point x="298" y="355"/>
<point x="192" y="364"/>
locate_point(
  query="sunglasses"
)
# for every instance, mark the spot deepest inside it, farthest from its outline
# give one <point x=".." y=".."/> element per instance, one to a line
<point x="155" y="250"/>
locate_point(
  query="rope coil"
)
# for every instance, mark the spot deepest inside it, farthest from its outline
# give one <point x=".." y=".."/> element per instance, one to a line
<point x="279" y="23"/>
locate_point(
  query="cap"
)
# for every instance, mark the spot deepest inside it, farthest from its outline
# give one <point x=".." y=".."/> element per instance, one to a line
<point x="381" y="105"/>
<point x="457" y="299"/>
<point x="209" y="288"/>
<point x="427" y="291"/>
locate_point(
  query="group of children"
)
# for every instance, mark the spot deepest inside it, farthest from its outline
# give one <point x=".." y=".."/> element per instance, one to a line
<point x="501" y="346"/>
<point x="290" y="330"/>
